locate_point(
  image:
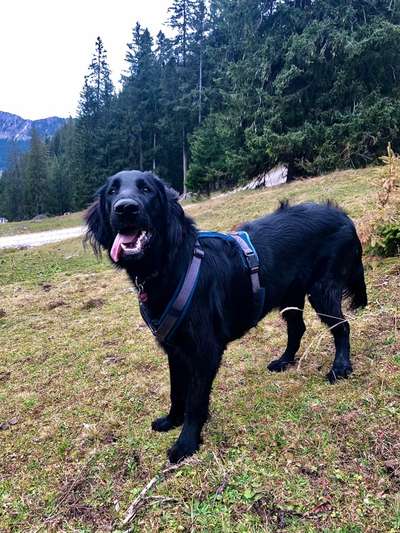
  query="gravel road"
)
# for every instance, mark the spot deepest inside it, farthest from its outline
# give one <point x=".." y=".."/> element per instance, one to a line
<point x="43" y="237"/>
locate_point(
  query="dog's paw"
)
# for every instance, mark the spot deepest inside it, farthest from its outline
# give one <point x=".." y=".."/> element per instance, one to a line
<point x="338" y="373"/>
<point x="165" y="423"/>
<point x="279" y="365"/>
<point x="181" y="450"/>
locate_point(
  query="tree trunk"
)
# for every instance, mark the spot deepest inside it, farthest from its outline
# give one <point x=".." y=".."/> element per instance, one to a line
<point x="140" y="150"/>
<point x="184" y="34"/>
<point x="154" y="151"/>
<point x="200" y="83"/>
<point x="184" y="161"/>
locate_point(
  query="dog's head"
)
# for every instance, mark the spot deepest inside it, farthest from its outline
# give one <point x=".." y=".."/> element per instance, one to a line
<point x="134" y="217"/>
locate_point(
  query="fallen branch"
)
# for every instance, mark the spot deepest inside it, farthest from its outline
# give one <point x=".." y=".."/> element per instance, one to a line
<point x="142" y="498"/>
<point x="225" y="475"/>
<point x="223" y="485"/>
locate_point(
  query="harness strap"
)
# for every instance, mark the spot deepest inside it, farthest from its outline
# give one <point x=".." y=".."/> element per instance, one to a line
<point x="252" y="261"/>
<point x="173" y="315"/>
<point x="243" y="240"/>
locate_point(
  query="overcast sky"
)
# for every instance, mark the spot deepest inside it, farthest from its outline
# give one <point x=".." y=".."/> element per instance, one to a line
<point x="46" y="47"/>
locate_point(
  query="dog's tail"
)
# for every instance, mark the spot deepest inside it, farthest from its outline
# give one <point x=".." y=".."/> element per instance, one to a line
<point x="356" y="288"/>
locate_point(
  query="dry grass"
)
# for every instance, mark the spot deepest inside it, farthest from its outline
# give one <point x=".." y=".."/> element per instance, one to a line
<point x="81" y="379"/>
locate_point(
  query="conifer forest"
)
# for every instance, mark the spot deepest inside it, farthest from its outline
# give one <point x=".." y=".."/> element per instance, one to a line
<point x="234" y="88"/>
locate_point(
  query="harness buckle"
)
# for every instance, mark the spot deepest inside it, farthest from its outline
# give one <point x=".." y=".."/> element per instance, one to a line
<point x="252" y="261"/>
<point x="198" y="252"/>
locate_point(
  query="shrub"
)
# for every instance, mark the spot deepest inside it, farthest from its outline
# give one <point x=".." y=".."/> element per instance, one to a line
<point x="380" y="231"/>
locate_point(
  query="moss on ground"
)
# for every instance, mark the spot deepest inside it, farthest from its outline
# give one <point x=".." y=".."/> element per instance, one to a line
<point x="81" y="379"/>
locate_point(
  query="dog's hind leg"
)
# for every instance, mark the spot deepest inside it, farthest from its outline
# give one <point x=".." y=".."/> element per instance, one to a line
<point x="179" y="382"/>
<point x="293" y="315"/>
<point x="326" y="299"/>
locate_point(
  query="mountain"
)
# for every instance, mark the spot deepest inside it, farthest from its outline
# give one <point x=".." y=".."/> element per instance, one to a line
<point x="14" y="128"/>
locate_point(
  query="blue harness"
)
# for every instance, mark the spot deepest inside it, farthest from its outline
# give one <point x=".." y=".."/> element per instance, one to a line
<point x="164" y="328"/>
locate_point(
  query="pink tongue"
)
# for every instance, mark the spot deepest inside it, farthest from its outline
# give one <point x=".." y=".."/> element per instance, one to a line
<point x="117" y="248"/>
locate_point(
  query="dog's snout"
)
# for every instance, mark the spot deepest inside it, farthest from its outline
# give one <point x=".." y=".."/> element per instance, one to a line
<point x="126" y="207"/>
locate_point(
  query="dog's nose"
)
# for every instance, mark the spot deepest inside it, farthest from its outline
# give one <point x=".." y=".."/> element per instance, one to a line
<point x="126" y="207"/>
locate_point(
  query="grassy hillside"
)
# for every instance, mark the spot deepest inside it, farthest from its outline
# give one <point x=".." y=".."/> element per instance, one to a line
<point x="81" y="379"/>
<point x="32" y="226"/>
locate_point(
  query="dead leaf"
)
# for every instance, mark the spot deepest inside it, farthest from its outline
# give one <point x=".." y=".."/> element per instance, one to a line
<point x="54" y="305"/>
<point x="4" y="376"/>
<point x="93" y="303"/>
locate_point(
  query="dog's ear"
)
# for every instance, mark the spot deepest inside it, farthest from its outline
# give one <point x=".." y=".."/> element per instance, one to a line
<point x="175" y="223"/>
<point x="98" y="233"/>
<point x="174" y="213"/>
<point x="164" y="190"/>
<point x="169" y="197"/>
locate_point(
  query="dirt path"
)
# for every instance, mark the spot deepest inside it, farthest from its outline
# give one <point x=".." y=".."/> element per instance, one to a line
<point x="43" y="237"/>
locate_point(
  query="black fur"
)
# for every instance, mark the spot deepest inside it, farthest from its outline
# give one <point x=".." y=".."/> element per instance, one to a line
<point x="305" y="250"/>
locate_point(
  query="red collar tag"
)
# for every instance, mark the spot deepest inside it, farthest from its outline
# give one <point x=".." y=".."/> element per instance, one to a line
<point x="143" y="297"/>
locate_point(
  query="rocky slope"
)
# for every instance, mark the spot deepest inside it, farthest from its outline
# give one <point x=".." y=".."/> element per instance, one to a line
<point x="14" y="128"/>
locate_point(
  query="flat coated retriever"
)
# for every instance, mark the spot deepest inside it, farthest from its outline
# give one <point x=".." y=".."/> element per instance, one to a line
<point x="307" y="249"/>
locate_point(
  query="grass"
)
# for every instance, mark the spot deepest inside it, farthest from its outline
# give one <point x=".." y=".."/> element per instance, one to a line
<point x="81" y="379"/>
<point x="32" y="226"/>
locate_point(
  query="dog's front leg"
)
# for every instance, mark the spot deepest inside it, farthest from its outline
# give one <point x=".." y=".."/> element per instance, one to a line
<point x="202" y="372"/>
<point x="179" y="378"/>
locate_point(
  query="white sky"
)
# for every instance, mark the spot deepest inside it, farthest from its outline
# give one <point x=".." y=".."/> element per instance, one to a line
<point x="46" y="47"/>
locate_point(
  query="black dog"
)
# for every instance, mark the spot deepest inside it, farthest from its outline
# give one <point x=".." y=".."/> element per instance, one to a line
<point x="308" y="249"/>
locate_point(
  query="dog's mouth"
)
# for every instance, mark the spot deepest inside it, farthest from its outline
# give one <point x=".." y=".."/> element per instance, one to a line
<point x="132" y="244"/>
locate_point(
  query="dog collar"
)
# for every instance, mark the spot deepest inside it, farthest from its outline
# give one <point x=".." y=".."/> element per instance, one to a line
<point x="140" y="286"/>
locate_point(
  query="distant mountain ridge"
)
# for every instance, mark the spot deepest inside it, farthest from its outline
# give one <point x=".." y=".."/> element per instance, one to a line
<point x="14" y="128"/>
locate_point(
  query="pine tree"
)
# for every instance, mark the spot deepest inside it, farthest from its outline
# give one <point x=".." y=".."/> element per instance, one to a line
<point x="36" y="177"/>
<point x="168" y="130"/>
<point x="199" y="27"/>
<point x="98" y="88"/>
<point x="136" y="106"/>
<point x="90" y="143"/>
<point x="12" y="186"/>
<point x="141" y="93"/>
<point x="62" y="171"/>
<point x="181" y="13"/>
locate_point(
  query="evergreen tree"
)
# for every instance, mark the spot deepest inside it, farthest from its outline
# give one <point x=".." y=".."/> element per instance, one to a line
<point x="36" y="177"/>
<point x="94" y="114"/>
<point x="241" y="86"/>
<point x="62" y="172"/>
<point x="12" y="187"/>
<point x="301" y="83"/>
<point x="98" y="89"/>
<point x="199" y="26"/>
<point x="139" y="96"/>
<point x="181" y="14"/>
<point x="168" y="151"/>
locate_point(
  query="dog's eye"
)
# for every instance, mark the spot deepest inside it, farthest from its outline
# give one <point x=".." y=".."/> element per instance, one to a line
<point x="146" y="189"/>
<point x="112" y="190"/>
